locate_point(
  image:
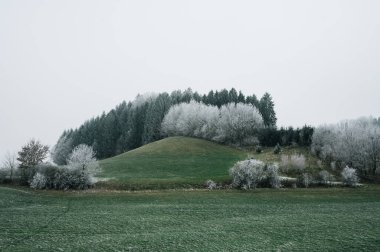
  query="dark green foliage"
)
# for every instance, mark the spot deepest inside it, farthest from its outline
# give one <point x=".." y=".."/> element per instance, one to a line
<point x="253" y="100"/>
<point x="266" y="107"/>
<point x="155" y="114"/>
<point x="241" y="97"/>
<point x="286" y="136"/>
<point x="233" y="96"/>
<point x="259" y="149"/>
<point x="277" y="149"/>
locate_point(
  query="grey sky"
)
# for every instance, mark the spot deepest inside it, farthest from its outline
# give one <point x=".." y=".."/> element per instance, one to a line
<point x="62" y="62"/>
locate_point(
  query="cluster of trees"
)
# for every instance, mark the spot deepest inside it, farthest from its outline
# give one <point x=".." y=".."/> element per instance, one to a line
<point x="231" y="123"/>
<point x="133" y="124"/>
<point x="271" y="136"/>
<point x="31" y="170"/>
<point x="355" y="143"/>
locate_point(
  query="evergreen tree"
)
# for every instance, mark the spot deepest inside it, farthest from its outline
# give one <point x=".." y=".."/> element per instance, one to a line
<point x="233" y="96"/>
<point x="266" y="107"/>
<point x="211" y="98"/>
<point x="241" y="97"/>
<point x="224" y="97"/>
<point x="252" y="100"/>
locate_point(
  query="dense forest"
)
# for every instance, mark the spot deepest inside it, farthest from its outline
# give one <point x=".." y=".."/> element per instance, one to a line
<point x="133" y="124"/>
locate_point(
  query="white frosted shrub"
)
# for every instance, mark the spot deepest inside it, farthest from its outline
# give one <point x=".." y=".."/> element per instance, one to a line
<point x="249" y="174"/>
<point x="272" y="176"/>
<point x="39" y="181"/>
<point x="305" y="179"/>
<point x="298" y="162"/>
<point x="325" y="178"/>
<point x="211" y="185"/>
<point x="349" y="176"/>
<point x="284" y="164"/>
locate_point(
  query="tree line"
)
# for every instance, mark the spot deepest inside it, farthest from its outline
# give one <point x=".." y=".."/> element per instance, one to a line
<point x="133" y="124"/>
<point x="355" y="143"/>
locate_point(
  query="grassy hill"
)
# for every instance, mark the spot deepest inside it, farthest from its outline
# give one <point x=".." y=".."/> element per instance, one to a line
<point x="171" y="162"/>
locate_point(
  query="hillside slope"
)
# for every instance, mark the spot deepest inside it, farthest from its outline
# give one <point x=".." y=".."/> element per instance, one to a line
<point x="169" y="163"/>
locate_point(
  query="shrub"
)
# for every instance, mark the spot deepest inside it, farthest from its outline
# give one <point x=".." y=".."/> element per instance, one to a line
<point x="305" y="180"/>
<point x="39" y="181"/>
<point x="211" y="185"/>
<point x="61" y="178"/>
<point x="259" y="149"/>
<point x="272" y="176"/>
<point x="249" y="174"/>
<point x="284" y="164"/>
<point x="298" y="162"/>
<point x="349" y="176"/>
<point x="325" y="177"/>
<point x="277" y="149"/>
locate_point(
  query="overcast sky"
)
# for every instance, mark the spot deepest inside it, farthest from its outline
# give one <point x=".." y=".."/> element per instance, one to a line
<point x="62" y="62"/>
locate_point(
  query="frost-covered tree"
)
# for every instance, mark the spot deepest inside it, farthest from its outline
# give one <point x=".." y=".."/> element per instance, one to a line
<point x="191" y="119"/>
<point x="349" y="176"/>
<point x="83" y="158"/>
<point x="62" y="149"/>
<point x="353" y="142"/>
<point x="237" y="123"/>
<point x="232" y="123"/>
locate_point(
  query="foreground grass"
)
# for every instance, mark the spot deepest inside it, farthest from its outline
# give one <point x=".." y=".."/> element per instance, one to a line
<point x="323" y="219"/>
<point x="171" y="163"/>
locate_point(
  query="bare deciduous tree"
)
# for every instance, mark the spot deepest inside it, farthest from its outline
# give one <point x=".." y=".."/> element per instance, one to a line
<point x="10" y="164"/>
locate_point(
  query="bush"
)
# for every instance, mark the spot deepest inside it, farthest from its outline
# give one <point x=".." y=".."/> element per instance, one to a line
<point x="249" y="174"/>
<point x="349" y="176"/>
<point x="284" y="164"/>
<point x="259" y="149"/>
<point x="61" y="178"/>
<point x="298" y="162"/>
<point x="211" y="185"/>
<point x="273" y="177"/>
<point x="325" y="178"/>
<point x="277" y="149"/>
<point x="39" y="181"/>
<point x="305" y="180"/>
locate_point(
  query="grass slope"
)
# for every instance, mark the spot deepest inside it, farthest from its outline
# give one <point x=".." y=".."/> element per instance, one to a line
<point x="321" y="219"/>
<point x="171" y="162"/>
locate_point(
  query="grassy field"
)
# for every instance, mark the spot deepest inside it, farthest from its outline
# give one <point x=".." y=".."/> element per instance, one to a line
<point x="322" y="219"/>
<point x="171" y="162"/>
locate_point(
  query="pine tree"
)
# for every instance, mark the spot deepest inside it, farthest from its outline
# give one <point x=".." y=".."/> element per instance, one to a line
<point x="266" y="107"/>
